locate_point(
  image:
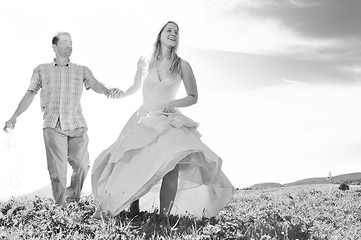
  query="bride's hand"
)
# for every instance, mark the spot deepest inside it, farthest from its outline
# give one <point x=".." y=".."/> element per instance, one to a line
<point x="169" y="108"/>
<point x="114" y="93"/>
<point x="118" y="93"/>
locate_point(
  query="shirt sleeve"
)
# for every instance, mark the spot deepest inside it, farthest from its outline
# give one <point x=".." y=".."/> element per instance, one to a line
<point x="36" y="82"/>
<point x="88" y="75"/>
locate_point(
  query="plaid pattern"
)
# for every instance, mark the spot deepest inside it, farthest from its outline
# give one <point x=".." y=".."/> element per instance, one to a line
<point x="61" y="90"/>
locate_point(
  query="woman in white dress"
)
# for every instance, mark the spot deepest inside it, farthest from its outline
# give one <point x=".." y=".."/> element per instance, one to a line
<point x="158" y="157"/>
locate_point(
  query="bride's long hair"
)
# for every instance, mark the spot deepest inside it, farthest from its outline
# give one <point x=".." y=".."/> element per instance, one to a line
<point x="175" y="66"/>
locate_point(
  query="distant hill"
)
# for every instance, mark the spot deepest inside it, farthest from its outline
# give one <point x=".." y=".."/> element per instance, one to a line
<point x="266" y="185"/>
<point x="350" y="179"/>
<point x="307" y="181"/>
<point x="45" y="192"/>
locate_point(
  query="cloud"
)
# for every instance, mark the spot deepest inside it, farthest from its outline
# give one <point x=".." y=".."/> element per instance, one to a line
<point x="324" y="32"/>
<point x="356" y="69"/>
<point x="291" y="82"/>
<point x="290" y="29"/>
<point x="306" y="3"/>
<point x="260" y="27"/>
<point x="323" y="19"/>
<point x="319" y="18"/>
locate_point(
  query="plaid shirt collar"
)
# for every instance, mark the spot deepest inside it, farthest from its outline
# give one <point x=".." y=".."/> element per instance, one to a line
<point x="68" y="64"/>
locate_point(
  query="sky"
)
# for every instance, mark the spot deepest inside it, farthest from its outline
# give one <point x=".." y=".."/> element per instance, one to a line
<point x="278" y="81"/>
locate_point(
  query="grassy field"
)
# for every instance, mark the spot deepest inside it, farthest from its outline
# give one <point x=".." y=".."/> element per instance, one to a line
<point x="303" y="212"/>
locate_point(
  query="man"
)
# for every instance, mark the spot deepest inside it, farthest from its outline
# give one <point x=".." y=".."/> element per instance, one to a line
<point x="64" y="128"/>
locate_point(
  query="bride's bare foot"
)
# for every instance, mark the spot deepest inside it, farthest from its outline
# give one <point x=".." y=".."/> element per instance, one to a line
<point x="97" y="213"/>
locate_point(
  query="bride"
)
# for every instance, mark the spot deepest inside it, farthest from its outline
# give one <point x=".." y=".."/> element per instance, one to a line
<point x="158" y="160"/>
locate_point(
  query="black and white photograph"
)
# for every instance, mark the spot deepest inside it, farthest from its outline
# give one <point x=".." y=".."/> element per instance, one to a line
<point x="202" y="119"/>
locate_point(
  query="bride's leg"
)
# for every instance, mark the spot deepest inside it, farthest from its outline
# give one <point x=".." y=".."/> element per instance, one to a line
<point x="134" y="208"/>
<point x="168" y="190"/>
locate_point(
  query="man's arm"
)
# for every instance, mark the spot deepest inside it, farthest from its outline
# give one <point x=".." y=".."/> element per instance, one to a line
<point x="97" y="86"/>
<point x="23" y="105"/>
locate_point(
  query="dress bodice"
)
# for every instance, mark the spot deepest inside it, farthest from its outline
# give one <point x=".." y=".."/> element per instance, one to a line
<point x="156" y="91"/>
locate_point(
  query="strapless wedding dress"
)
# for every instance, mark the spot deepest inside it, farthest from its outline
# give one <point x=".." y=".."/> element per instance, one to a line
<point x="150" y="145"/>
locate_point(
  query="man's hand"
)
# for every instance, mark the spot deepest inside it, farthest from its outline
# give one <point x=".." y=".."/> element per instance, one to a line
<point x="10" y="124"/>
<point x="114" y="93"/>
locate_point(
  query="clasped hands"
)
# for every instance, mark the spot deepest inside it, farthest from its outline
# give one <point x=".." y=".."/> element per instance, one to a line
<point x="114" y="93"/>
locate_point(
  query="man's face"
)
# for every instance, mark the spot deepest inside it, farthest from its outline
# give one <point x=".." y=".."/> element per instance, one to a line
<point x="64" y="47"/>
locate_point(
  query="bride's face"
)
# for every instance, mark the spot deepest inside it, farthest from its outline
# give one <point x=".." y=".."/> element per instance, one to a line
<point x="169" y="36"/>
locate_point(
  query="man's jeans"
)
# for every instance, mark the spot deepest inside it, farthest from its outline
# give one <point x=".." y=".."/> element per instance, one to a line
<point x="62" y="147"/>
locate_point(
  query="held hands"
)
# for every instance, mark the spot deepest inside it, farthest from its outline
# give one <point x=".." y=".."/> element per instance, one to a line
<point x="10" y="124"/>
<point x="114" y="93"/>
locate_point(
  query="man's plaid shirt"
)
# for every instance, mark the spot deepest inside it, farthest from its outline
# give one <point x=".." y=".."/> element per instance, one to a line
<point x="61" y="90"/>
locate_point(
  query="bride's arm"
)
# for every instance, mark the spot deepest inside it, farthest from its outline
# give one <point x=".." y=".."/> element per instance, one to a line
<point x="190" y="86"/>
<point x="137" y="84"/>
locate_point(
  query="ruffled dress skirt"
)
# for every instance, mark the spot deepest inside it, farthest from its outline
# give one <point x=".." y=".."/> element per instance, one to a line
<point x="150" y="145"/>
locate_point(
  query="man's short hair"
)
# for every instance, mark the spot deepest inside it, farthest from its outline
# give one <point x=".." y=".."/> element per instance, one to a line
<point x="55" y="38"/>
